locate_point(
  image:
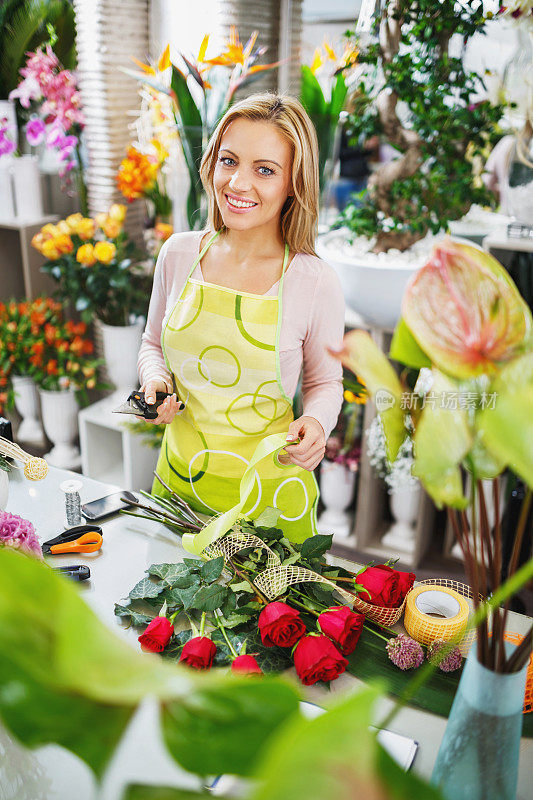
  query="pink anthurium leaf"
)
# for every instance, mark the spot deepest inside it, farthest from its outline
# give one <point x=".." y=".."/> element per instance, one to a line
<point x="465" y="312"/>
<point x="362" y="355"/>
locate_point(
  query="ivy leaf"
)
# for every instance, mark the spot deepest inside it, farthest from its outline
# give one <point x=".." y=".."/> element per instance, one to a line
<point x="241" y="587"/>
<point x="209" y="598"/>
<point x="268" y="517"/>
<point x="175" y="646"/>
<point x="212" y="569"/>
<point x="168" y="572"/>
<point x="185" y="596"/>
<point x="138" y="620"/>
<point x="229" y="605"/>
<point x="193" y="563"/>
<point x="146" y="588"/>
<point x="186" y="581"/>
<point x="235" y="619"/>
<point x="316" y="545"/>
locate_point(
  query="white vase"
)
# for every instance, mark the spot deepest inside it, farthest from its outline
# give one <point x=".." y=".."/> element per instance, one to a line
<point x="60" y="421"/>
<point x="404" y="505"/>
<point x="4" y="489"/>
<point x="7" y="200"/>
<point x="27" y="405"/>
<point x="337" y="484"/>
<point x="27" y="183"/>
<point x="121" y="345"/>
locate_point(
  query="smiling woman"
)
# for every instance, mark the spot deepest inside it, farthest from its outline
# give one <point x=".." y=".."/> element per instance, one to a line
<point x="237" y="312"/>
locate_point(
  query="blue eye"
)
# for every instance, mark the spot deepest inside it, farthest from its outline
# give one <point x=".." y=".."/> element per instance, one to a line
<point x="268" y="171"/>
<point x="223" y="159"/>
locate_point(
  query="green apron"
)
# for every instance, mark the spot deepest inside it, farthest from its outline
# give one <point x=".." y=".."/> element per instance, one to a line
<point x="222" y="347"/>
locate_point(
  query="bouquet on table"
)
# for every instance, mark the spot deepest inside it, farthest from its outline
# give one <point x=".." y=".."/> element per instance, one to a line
<point x="263" y="604"/>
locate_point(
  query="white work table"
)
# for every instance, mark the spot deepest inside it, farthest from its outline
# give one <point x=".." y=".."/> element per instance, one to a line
<point x="130" y="547"/>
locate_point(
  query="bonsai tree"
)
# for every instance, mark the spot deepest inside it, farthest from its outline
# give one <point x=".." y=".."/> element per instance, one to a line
<point x="426" y="105"/>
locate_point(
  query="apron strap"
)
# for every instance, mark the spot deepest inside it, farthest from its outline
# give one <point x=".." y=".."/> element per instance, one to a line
<point x="202" y="253"/>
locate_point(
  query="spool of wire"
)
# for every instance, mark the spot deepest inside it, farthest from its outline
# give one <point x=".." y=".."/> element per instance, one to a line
<point x="72" y="502"/>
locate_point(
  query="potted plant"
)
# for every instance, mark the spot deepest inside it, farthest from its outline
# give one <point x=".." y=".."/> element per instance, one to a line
<point x="97" y="271"/>
<point x="464" y="320"/>
<point x="64" y="370"/>
<point x="201" y="90"/>
<point x="423" y="102"/>
<point x="339" y="468"/>
<point x="21" y="325"/>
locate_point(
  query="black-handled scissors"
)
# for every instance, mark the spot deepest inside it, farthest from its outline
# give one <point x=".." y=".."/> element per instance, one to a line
<point x="137" y="405"/>
<point x="81" y="539"/>
<point x="78" y="572"/>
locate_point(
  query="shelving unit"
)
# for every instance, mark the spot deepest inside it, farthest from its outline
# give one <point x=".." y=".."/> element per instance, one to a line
<point x="112" y="453"/>
<point x="20" y="263"/>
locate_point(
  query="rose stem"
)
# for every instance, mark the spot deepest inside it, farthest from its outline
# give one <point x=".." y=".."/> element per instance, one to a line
<point x="202" y="624"/>
<point x="221" y="627"/>
<point x="261" y="597"/>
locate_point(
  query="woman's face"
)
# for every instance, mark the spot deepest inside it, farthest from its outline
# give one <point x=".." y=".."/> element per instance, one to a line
<point x="252" y="176"/>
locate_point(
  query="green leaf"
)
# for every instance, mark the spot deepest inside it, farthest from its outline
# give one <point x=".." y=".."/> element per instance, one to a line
<point x="235" y="719"/>
<point x="146" y="588"/>
<point x="316" y="545"/>
<point x="311" y="94"/>
<point x="185" y="596"/>
<point x="306" y="759"/>
<point x="268" y="518"/>
<point x="194" y="564"/>
<point x="507" y="430"/>
<point x="441" y="441"/>
<point x="138" y="620"/>
<point x="212" y="569"/>
<point x="338" y="96"/>
<point x="405" y="349"/>
<point x="168" y="572"/>
<point x="209" y="598"/>
<point x="242" y="587"/>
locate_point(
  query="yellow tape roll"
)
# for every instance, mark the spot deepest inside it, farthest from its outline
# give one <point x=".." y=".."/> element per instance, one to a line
<point x="451" y="612"/>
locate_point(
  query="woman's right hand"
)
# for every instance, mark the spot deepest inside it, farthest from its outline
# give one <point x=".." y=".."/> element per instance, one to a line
<point x="168" y="408"/>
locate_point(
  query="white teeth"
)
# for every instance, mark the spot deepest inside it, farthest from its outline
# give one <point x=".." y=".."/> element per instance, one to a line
<point x="239" y="203"/>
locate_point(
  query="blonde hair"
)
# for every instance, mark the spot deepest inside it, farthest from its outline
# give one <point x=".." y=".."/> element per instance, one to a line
<point x="299" y="214"/>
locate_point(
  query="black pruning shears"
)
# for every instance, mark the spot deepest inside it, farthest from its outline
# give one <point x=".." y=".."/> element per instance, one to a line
<point x="137" y="405"/>
<point x="81" y="539"/>
<point x="78" y="572"/>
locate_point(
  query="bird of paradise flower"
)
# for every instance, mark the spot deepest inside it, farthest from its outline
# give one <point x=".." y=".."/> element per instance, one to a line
<point x="197" y="112"/>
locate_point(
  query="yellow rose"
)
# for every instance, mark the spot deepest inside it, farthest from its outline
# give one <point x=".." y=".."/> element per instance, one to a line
<point x="49" y="230"/>
<point x="62" y="227"/>
<point x="73" y="221"/>
<point x="64" y="243"/>
<point x="117" y="212"/>
<point x="105" y="252"/>
<point x="37" y="242"/>
<point x="91" y="383"/>
<point x="163" y="230"/>
<point x="85" y="229"/>
<point x="85" y="255"/>
<point x="111" y="228"/>
<point x="100" y="219"/>
<point x="49" y="250"/>
<point x="88" y="371"/>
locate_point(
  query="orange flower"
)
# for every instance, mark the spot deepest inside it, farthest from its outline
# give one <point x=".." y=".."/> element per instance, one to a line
<point x="117" y="212"/>
<point x="76" y="345"/>
<point x="105" y="252"/>
<point x="64" y="244"/>
<point x="3" y="381"/>
<point x="163" y="230"/>
<point x="73" y="221"/>
<point x="37" y="348"/>
<point x="77" y="328"/>
<point x="88" y="371"/>
<point x="50" y="250"/>
<point x="85" y="228"/>
<point x="62" y="346"/>
<point x="63" y="227"/>
<point x="88" y="347"/>
<point x="50" y="333"/>
<point x="11" y="326"/>
<point x="111" y="228"/>
<point x="23" y="308"/>
<point x="85" y="255"/>
<point x="37" y="318"/>
<point x="51" y="367"/>
<point x="136" y="174"/>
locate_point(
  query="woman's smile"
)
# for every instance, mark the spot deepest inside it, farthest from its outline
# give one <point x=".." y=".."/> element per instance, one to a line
<point x="237" y="204"/>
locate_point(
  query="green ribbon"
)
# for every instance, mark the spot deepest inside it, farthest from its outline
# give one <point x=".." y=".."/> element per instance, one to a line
<point x="197" y="542"/>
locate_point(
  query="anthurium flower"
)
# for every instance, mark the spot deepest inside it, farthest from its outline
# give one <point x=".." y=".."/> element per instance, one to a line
<point x="465" y="312"/>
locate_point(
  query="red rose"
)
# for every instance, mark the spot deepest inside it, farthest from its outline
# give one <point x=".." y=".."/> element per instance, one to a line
<point x="281" y="625"/>
<point x="406" y="583"/>
<point x="157" y="635"/>
<point x="387" y="586"/>
<point x="198" y="652"/>
<point x="317" y="659"/>
<point x="246" y="665"/>
<point x="342" y="626"/>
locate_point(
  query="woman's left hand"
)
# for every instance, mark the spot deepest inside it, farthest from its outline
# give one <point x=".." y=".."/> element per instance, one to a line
<point x="309" y="451"/>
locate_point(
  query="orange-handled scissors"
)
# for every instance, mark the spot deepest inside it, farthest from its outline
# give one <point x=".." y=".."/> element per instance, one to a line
<point x="81" y="539"/>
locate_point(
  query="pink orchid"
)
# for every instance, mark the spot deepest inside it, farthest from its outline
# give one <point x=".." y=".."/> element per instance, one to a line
<point x="27" y="90"/>
<point x="35" y="131"/>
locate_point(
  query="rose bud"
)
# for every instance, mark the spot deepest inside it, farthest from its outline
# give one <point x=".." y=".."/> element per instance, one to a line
<point x="342" y="626"/>
<point x="198" y="652"/>
<point x="317" y="659"/>
<point x="157" y="635"/>
<point x="246" y="665"/>
<point x="382" y="584"/>
<point x="280" y="625"/>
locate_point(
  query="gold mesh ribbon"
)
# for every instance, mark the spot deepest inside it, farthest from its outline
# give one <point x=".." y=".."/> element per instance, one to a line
<point x="236" y="541"/>
<point x="275" y="581"/>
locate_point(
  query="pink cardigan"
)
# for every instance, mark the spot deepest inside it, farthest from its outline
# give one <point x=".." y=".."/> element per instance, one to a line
<point x="312" y="319"/>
